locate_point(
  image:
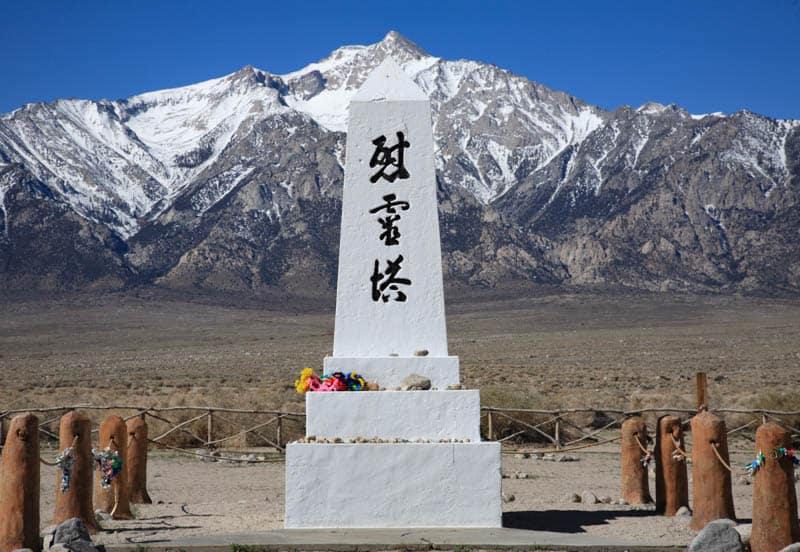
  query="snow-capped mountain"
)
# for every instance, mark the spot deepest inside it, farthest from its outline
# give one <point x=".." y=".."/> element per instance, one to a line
<point x="235" y="183"/>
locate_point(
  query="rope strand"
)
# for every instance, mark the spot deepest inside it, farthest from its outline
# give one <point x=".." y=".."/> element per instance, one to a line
<point x="719" y="456"/>
<point x="568" y="449"/>
<point x="217" y="458"/>
<point x="678" y="448"/>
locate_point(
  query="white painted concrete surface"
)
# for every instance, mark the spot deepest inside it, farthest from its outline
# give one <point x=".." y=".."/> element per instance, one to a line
<point x="393" y="485"/>
<point x="389" y="102"/>
<point x="378" y="329"/>
<point x="391" y="371"/>
<point x="395" y="414"/>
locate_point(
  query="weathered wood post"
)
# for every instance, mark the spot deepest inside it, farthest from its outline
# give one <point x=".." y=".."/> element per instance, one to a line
<point x="114" y="499"/>
<point x="672" y="482"/>
<point x="210" y="428"/>
<point x="711" y="479"/>
<point x="136" y="464"/>
<point x="557" y="433"/>
<point x="702" y="391"/>
<point x="19" y="486"/>
<point x="775" y="524"/>
<point x="489" y="428"/>
<point x="75" y="430"/>
<point x="635" y="486"/>
<point x="279" y="433"/>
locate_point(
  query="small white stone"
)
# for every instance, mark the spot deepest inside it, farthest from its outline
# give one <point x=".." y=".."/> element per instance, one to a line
<point x="588" y="497"/>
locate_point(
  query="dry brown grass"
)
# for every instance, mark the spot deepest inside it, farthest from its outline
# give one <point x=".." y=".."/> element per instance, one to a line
<point x="564" y="350"/>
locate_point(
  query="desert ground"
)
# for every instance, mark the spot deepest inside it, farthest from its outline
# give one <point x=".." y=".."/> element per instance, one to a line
<point x="542" y="349"/>
<point x="196" y="498"/>
<point x="551" y="350"/>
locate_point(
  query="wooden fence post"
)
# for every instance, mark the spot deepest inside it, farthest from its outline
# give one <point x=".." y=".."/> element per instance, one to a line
<point x="712" y="493"/>
<point x="775" y="524"/>
<point x="490" y="429"/>
<point x="279" y="432"/>
<point x="136" y="462"/>
<point x="19" y="486"/>
<point x="672" y="483"/>
<point x="634" y="483"/>
<point x="75" y="430"/>
<point x="702" y="391"/>
<point x="558" y="434"/>
<point x="210" y="428"/>
<point x="113" y="434"/>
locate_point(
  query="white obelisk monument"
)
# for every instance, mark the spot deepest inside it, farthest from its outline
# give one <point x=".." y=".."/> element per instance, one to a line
<point x="426" y="465"/>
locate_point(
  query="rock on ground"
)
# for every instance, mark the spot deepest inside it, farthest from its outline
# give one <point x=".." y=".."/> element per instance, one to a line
<point x="72" y="536"/>
<point x="70" y="531"/>
<point x="717" y="536"/>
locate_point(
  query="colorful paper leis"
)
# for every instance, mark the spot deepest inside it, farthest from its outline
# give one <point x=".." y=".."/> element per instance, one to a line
<point x="110" y="465"/>
<point x="309" y="381"/>
<point x="338" y="381"/>
<point x="754" y="466"/>
<point x="782" y="452"/>
<point x="64" y="462"/>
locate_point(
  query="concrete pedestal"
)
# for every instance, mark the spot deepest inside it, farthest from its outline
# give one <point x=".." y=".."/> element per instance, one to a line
<point x="390" y="371"/>
<point x="393" y="485"/>
<point x="411" y="415"/>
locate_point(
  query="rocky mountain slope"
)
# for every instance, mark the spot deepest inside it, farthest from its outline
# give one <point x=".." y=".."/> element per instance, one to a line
<point x="234" y="184"/>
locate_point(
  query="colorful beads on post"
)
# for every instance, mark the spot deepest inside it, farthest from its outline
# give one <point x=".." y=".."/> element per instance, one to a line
<point x="782" y="452"/>
<point x="753" y="466"/>
<point x="64" y="462"/>
<point x="109" y="463"/>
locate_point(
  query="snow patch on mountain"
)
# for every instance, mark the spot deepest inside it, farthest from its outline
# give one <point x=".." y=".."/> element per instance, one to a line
<point x="176" y="122"/>
<point x="698" y="116"/>
<point x="343" y="72"/>
<point x="3" y="190"/>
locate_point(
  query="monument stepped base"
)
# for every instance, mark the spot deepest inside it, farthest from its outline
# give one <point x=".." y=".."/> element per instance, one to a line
<point x="393" y="485"/>
<point x="390" y="371"/>
<point x="411" y="415"/>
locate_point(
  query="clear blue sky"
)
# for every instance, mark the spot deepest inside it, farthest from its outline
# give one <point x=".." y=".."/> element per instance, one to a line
<point x="704" y="56"/>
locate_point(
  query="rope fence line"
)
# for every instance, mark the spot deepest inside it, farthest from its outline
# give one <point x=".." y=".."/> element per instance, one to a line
<point x="515" y="427"/>
<point x="217" y="458"/>
<point x="641" y="446"/>
<point x="565" y="449"/>
<point x="714" y="447"/>
<point x="677" y="446"/>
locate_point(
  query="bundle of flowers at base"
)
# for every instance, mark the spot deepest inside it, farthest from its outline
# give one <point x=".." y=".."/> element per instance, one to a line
<point x="338" y="381"/>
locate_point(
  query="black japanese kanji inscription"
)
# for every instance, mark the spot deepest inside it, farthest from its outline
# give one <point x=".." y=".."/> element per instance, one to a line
<point x="383" y="157"/>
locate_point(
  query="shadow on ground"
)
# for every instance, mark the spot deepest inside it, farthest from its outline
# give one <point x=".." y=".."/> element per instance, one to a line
<point x="565" y="521"/>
